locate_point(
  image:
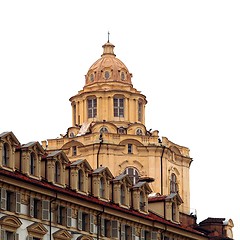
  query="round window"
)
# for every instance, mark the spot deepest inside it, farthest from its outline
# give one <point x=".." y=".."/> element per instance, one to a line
<point x="107" y="75"/>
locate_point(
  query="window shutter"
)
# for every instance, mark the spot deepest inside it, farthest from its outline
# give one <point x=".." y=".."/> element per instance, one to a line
<point x="154" y="235"/>
<point x="69" y="217"/>
<point x="3" y="235"/>
<point x="3" y="201"/>
<point x="29" y="238"/>
<point x="91" y="218"/>
<point x="15" y="236"/>
<point x="102" y="227"/>
<point x="31" y="207"/>
<point x="142" y="234"/>
<point x="123" y="229"/>
<point x="133" y="233"/>
<point x="79" y="222"/>
<point x="18" y="202"/>
<point x="114" y="232"/>
<point x="45" y="210"/>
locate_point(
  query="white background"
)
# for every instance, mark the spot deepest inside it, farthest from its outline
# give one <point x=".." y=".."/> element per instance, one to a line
<point x="184" y="56"/>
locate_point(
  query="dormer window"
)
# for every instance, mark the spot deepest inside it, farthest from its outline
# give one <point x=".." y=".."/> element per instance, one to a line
<point x="33" y="163"/>
<point x="57" y="172"/>
<point x="102" y="188"/>
<point x="5" y="155"/>
<point x="174" y="211"/>
<point x="118" y="103"/>
<point x="142" y="201"/>
<point x="173" y="183"/>
<point x="123" y="195"/>
<point x="92" y="107"/>
<point x="80" y="180"/>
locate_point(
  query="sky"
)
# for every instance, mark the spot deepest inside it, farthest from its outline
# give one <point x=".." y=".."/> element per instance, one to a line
<point x="184" y="57"/>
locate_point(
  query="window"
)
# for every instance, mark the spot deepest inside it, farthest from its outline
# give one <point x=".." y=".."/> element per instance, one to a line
<point x="115" y="229"/>
<point x="74" y="150"/>
<point x="140" y="110"/>
<point x="121" y="130"/>
<point x="126" y="232"/>
<point x="10" y="201"/>
<point x="145" y="235"/>
<point x="142" y="202"/>
<point x="174" y="211"/>
<point x="64" y="216"/>
<point x="103" y="130"/>
<point x="122" y="195"/>
<point x="139" y="131"/>
<point x="85" y="222"/>
<point x="7" y="235"/>
<point x="105" y="228"/>
<point x="173" y="183"/>
<point x="133" y="174"/>
<point x="80" y="180"/>
<point x="32" y="169"/>
<point x="107" y="75"/>
<point x="130" y="148"/>
<point x="57" y="172"/>
<point x="74" y="114"/>
<point x="5" y="155"/>
<point x="102" y="187"/>
<point x="39" y="209"/>
<point x="118" y="107"/>
<point x="92" y="107"/>
<point x="123" y="77"/>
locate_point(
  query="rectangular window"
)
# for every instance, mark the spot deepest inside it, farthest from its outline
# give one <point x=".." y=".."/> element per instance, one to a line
<point x="92" y="107"/>
<point x="10" y="201"/>
<point x="7" y="235"/>
<point x="74" y="150"/>
<point x="118" y="107"/>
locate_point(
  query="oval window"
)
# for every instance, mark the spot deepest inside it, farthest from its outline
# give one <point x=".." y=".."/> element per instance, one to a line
<point x="122" y="76"/>
<point x="107" y="75"/>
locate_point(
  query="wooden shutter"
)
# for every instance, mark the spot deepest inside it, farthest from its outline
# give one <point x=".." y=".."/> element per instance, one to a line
<point x="15" y="236"/>
<point x="123" y="230"/>
<point x="115" y="232"/>
<point x="154" y="235"/>
<point x="142" y="234"/>
<point x="3" y="234"/>
<point x="102" y="227"/>
<point x="69" y="217"/>
<point x="45" y="210"/>
<point x="3" y="201"/>
<point x="31" y="207"/>
<point x="79" y="220"/>
<point x="133" y="233"/>
<point x="18" y="202"/>
<point x="91" y="221"/>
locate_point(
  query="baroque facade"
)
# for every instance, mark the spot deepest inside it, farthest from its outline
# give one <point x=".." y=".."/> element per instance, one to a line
<point x="108" y="177"/>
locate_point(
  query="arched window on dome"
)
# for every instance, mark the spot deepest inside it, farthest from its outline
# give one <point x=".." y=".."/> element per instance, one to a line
<point x="92" y="107"/>
<point x="133" y="174"/>
<point x="140" y="110"/>
<point x="118" y="103"/>
<point x="173" y="183"/>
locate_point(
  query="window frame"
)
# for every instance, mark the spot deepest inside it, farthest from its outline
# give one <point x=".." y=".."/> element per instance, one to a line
<point x="118" y="106"/>
<point x="92" y="107"/>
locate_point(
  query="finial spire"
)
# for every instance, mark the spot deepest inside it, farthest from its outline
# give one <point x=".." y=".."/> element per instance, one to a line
<point x="108" y="36"/>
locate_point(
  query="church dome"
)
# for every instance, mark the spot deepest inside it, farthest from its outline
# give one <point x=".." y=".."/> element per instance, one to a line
<point x="108" y="68"/>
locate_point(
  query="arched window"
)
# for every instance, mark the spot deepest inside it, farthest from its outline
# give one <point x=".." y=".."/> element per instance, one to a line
<point x="57" y="172"/>
<point x="5" y="155"/>
<point x="121" y="130"/>
<point x="118" y="103"/>
<point x="32" y="166"/>
<point x="173" y="183"/>
<point x="102" y="188"/>
<point x="140" y="110"/>
<point x="133" y="174"/>
<point x="103" y="130"/>
<point x="92" y="107"/>
<point x="122" y="195"/>
<point x="142" y="201"/>
<point x="80" y="180"/>
<point x="139" y="131"/>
